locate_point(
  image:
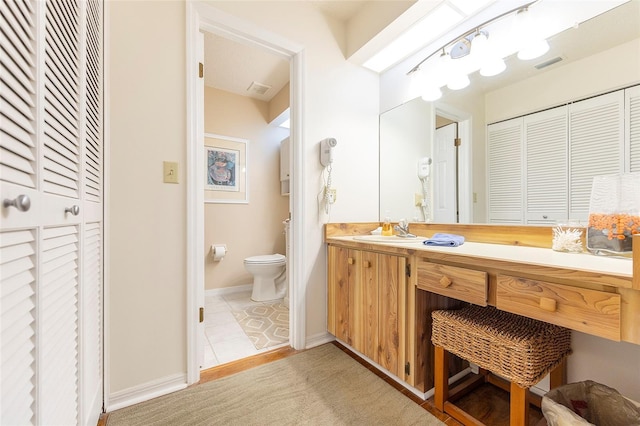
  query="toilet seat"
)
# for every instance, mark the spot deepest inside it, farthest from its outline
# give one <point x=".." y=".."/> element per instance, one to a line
<point x="267" y="259"/>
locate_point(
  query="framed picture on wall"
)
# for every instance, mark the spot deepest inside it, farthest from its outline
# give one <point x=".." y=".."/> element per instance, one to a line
<point x="225" y="177"/>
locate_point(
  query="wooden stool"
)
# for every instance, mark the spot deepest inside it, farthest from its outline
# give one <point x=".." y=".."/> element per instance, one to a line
<point x="520" y="349"/>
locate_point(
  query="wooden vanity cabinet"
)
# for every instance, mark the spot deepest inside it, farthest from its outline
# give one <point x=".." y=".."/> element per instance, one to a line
<point x="367" y="296"/>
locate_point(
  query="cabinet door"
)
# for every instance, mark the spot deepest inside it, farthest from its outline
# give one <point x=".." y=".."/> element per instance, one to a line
<point x="504" y="174"/>
<point x="338" y="292"/>
<point x="363" y="314"/>
<point x="392" y="324"/>
<point x="284" y="160"/>
<point x="545" y="141"/>
<point x="632" y="128"/>
<point x="596" y="146"/>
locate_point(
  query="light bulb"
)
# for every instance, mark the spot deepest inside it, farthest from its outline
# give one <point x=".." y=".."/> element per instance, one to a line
<point x="458" y="81"/>
<point x="533" y="49"/>
<point x="492" y="67"/>
<point x="479" y="44"/>
<point x="431" y="93"/>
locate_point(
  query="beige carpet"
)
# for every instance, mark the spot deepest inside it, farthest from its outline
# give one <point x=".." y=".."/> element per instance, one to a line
<point x="265" y="324"/>
<point x="321" y="386"/>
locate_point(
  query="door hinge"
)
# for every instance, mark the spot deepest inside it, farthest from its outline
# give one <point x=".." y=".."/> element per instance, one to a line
<point x="457" y="142"/>
<point x="408" y="270"/>
<point x="201" y="314"/>
<point x="407" y="369"/>
<point x="200" y="69"/>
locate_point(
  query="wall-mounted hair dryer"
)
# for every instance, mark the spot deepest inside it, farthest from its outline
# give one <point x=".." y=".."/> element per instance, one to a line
<point x="326" y="151"/>
<point x="424" y="166"/>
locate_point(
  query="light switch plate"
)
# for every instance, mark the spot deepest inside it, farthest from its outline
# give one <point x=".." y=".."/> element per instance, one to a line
<point x="170" y="172"/>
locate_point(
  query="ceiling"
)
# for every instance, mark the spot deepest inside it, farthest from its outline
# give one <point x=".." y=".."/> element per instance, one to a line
<point x="233" y="66"/>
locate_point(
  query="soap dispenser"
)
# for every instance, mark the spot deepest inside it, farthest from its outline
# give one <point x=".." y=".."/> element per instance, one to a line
<point x="387" y="230"/>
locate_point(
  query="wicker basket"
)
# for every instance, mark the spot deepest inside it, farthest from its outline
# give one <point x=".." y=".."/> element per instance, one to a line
<point x="520" y="349"/>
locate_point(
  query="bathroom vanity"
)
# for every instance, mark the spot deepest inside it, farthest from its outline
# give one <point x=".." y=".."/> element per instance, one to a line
<point x="381" y="294"/>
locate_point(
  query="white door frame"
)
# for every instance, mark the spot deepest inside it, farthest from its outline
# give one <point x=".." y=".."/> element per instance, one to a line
<point x="465" y="165"/>
<point x="202" y="17"/>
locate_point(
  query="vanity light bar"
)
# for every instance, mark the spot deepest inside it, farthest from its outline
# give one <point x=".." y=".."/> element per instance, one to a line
<point x="470" y="33"/>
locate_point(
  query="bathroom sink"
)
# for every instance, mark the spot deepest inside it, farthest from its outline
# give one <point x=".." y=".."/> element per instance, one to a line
<point x="388" y="239"/>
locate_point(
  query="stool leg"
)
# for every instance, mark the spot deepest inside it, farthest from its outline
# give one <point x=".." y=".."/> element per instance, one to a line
<point x="441" y="378"/>
<point x="519" y="406"/>
<point x="558" y="375"/>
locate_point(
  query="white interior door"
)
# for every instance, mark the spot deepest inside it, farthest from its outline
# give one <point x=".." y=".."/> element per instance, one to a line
<point x="51" y="172"/>
<point x="445" y="175"/>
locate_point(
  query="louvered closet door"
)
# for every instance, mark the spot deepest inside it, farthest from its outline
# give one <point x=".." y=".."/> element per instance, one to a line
<point x="596" y="146"/>
<point x="91" y="377"/>
<point x="546" y="180"/>
<point x="632" y="129"/>
<point x="18" y="230"/>
<point x="51" y="263"/>
<point x="504" y="174"/>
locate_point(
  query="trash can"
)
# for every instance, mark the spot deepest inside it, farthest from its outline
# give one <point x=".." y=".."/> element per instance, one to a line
<point x="588" y="403"/>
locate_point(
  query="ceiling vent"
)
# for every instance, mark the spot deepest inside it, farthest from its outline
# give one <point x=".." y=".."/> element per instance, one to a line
<point x="549" y="62"/>
<point x="258" y="89"/>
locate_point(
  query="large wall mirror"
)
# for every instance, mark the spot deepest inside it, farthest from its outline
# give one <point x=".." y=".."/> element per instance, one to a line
<point x="414" y="131"/>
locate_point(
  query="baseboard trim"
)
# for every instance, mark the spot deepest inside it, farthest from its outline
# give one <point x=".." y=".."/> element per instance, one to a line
<point x="227" y="290"/>
<point x="318" y="339"/>
<point x="146" y="391"/>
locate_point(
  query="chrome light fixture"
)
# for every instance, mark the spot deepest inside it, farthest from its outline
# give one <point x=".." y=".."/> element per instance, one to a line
<point x="474" y="51"/>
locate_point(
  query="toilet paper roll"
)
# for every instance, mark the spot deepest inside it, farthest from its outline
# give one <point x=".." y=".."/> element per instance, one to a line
<point x="218" y="252"/>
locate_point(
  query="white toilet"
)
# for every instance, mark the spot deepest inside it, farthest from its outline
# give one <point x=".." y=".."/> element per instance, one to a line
<point x="269" y="276"/>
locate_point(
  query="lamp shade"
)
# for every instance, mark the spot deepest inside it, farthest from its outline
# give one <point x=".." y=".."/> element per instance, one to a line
<point x="533" y="49"/>
<point x="458" y="81"/>
<point x="479" y="44"/>
<point x="493" y="66"/>
<point x="431" y="93"/>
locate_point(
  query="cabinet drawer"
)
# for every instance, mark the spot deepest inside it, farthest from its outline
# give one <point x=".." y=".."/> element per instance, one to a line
<point x="590" y="311"/>
<point x="459" y="283"/>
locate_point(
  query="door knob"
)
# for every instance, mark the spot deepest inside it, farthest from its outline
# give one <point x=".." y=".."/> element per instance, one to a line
<point x="22" y="202"/>
<point x="74" y="210"/>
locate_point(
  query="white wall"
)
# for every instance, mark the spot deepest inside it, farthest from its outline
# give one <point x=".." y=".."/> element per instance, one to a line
<point x="147" y="50"/>
<point x="147" y="218"/>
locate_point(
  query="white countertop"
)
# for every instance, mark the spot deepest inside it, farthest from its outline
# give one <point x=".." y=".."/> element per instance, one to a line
<point x="622" y="267"/>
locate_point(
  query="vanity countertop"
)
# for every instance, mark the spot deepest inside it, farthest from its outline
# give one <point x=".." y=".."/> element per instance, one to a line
<point x="527" y="255"/>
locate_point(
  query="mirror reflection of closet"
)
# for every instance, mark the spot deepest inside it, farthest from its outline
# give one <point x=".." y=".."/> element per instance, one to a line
<point x="522" y="89"/>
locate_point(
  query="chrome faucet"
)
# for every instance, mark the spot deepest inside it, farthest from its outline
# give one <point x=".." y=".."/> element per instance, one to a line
<point x="403" y="228"/>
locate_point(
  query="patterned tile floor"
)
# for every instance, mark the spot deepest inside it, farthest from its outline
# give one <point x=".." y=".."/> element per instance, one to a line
<point x="226" y="341"/>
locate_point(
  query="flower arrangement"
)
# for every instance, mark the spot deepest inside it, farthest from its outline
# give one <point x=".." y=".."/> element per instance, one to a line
<point x="567" y="239"/>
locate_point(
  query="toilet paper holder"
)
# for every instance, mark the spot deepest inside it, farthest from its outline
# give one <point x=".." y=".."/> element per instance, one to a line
<point x="218" y="252"/>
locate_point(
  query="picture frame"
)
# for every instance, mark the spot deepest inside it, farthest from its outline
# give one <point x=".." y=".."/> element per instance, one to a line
<point x="225" y="165"/>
